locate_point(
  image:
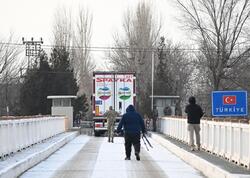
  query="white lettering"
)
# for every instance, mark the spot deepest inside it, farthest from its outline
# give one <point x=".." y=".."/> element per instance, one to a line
<point x="230" y="110"/>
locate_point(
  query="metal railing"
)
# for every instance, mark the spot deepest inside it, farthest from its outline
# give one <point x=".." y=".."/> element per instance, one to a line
<point x="18" y="134"/>
<point x="226" y="139"/>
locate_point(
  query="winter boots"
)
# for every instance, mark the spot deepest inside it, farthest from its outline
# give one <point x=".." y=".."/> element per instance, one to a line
<point x="137" y="156"/>
<point x="127" y="158"/>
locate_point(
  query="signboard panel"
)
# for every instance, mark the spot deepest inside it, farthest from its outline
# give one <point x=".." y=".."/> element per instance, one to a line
<point x="104" y="93"/>
<point x="116" y="90"/>
<point x="124" y="92"/>
<point x="229" y="103"/>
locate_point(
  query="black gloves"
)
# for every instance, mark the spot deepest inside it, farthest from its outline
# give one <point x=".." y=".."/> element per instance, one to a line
<point x="119" y="132"/>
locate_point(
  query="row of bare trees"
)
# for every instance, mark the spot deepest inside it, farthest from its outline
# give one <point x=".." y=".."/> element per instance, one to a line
<point x="220" y="29"/>
<point x="134" y="49"/>
<point x="220" y="61"/>
<point x="138" y="44"/>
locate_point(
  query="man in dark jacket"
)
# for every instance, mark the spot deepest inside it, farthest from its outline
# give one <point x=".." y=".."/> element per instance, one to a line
<point x="133" y="125"/>
<point x="194" y="114"/>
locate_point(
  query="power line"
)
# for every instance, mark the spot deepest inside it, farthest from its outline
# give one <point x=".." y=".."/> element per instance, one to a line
<point x="11" y="44"/>
<point x="108" y="49"/>
<point x="101" y="48"/>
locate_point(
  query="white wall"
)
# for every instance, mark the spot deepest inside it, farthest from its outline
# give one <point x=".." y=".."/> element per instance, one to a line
<point x="63" y="111"/>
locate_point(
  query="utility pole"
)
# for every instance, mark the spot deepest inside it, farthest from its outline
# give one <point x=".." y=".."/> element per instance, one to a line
<point x="32" y="49"/>
<point x="152" y="77"/>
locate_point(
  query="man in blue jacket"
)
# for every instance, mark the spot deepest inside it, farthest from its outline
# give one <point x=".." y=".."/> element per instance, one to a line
<point x="133" y="125"/>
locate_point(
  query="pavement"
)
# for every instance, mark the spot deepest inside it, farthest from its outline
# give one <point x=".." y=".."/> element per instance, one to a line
<point x="209" y="164"/>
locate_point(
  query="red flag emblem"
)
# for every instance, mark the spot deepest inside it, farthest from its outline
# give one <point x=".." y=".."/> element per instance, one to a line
<point x="229" y="99"/>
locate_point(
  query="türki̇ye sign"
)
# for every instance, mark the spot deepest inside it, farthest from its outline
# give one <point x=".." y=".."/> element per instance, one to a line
<point x="229" y="103"/>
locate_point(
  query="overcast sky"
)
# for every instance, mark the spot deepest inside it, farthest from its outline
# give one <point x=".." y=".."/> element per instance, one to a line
<point x="34" y="18"/>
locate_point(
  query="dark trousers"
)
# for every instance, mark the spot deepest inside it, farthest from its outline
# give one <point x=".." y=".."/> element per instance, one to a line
<point x="154" y="124"/>
<point x="132" y="139"/>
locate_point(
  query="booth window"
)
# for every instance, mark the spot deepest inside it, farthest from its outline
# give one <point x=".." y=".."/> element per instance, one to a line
<point x="66" y="102"/>
<point x="56" y="102"/>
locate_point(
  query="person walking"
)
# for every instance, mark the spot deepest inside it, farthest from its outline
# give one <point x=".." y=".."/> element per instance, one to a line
<point x="77" y="120"/>
<point x="111" y="118"/>
<point x="155" y="117"/>
<point x="147" y="122"/>
<point x="132" y="124"/>
<point x="194" y="114"/>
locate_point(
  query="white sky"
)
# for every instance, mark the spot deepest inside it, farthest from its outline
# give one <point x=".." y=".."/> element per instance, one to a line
<point x="34" y="18"/>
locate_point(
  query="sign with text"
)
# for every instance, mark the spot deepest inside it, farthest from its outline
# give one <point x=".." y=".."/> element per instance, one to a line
<point x="229" y="103"/>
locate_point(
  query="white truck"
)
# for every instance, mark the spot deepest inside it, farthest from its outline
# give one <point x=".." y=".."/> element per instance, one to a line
<point x="116" y="89"/>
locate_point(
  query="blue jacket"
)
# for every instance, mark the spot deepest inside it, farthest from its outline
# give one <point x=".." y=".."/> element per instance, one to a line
<point x="131" y="121"/>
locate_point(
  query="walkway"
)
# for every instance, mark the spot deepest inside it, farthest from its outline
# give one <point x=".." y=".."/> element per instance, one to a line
<point x="94" y="157"/>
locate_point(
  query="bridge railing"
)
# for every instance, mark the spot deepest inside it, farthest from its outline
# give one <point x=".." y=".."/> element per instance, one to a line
<point x="226" y="139"/>
<point x="21" y="133"/>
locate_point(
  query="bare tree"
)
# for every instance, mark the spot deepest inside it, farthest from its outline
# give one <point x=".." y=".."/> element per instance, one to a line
<point x="134" y="49"/>
<point x="218" y="26"/>
<point x="9" y="65"/>
<point x="62" y="28"/>
<point x="83" y="63"/>
<point x="8" y="54"/>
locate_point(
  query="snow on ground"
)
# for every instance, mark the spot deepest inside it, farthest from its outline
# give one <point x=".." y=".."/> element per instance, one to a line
<point x="172" y="165"/>
<point x="47" y="167"/>
<point x="96" y="158"/>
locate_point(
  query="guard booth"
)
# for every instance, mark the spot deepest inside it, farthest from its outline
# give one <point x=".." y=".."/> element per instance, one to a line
<point x="61" y="106"/>
<point x="166" y="105"/>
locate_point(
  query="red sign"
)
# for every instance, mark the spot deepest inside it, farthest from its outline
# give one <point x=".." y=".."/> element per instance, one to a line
<point x="113" y="79"/>
<point x="229" y="99"/>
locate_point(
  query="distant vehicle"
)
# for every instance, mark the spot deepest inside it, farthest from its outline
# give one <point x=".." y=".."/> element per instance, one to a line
<point x="116" y="89"/>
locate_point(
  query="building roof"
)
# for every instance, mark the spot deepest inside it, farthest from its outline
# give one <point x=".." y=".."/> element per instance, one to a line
<point x="164" y="96"/>
<point x="113" y="72"/>
<point x="61" y="97"/>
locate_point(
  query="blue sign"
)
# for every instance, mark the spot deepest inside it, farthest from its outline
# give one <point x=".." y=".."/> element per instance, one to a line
<point x="98" y="102"/>
<point x="229" y="103"/>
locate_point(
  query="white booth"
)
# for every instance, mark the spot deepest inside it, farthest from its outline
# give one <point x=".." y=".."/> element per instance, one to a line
<point x="61" y="106"/>
<point x="165" y="103"/>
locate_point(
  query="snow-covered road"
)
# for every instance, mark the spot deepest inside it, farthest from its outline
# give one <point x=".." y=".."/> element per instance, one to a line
<point x="94" y="157"/>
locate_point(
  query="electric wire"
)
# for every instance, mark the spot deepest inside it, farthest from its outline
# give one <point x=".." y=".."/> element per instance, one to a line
<point x="102" y="48"/>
